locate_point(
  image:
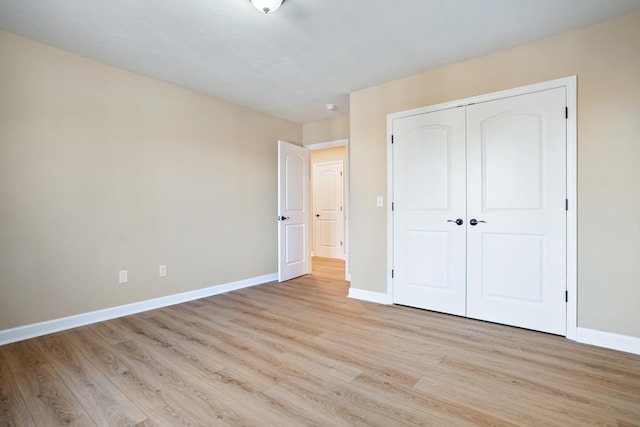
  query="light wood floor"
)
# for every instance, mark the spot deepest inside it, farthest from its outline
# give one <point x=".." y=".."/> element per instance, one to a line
<point x="302" y="353"/>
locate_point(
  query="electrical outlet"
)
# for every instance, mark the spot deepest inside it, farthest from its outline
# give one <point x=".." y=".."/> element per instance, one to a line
<point x="163" y="270"/>
<point x="123" y="276"/>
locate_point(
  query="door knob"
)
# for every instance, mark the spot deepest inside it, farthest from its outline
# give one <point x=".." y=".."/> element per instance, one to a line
<point x="458" y="221"/>
<point x="317" y="215"/>
<point x="475" y="222"/>
<point x="282" y="218"/>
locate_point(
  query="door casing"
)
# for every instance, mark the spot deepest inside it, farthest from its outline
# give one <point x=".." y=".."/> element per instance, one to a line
<point x="570" y="85"/>
<point x="347" y="219"/>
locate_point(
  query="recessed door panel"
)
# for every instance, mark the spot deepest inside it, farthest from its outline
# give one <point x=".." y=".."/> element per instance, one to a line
<point x="296" y="242"/>
<point x="327" y="230"/>
<point x="512" y="161"/>
<point x="295" y="164"/>
<point x="427" y="168"/>
<point x="516" y="190"/>
<point x="328" y="177"/>
<point x="427" y="261"/>
<point x="429" y="195"/>
<point x="509" y="259"/>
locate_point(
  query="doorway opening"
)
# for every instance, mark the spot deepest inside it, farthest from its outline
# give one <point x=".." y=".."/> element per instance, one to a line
<point x="330" y="203"/>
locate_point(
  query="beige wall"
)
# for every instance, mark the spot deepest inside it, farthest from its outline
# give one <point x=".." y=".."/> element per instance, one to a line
<point x="328" y="154"/>
<point x="103" y="170"/>
<point x="326" y="130"/>
<point x="606" y="59"/>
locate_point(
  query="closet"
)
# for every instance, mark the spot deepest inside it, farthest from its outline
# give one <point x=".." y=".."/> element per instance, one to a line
<point x="480" y="210"/>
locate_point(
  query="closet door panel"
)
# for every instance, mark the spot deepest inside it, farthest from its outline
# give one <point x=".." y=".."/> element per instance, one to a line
<point x="516" y="190"/>
<point x="429" y="195"/>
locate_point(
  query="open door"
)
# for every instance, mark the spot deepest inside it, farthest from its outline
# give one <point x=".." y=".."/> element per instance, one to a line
<point x="293" y="211"/>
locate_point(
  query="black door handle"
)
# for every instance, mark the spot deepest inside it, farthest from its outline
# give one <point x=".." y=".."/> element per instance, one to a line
<point x="282" y="218"/>
<point x="317" y="215"/>
<point x="458" y="221"/>
<point x="475" y="222"/>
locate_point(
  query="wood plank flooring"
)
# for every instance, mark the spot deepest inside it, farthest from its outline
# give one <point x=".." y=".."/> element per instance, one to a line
<point x="303" y="354"/>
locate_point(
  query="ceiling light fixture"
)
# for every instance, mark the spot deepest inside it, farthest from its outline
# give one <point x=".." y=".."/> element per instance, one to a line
<point x="267" y="6"/>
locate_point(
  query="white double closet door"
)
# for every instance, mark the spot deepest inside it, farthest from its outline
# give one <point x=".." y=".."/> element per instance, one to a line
<point x="479" y="211"/>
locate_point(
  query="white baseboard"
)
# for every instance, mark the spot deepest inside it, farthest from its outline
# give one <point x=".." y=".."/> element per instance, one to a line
<point x="608" y="340"/>
<point x="377" y="297"/>
<point x="43" y="328"/>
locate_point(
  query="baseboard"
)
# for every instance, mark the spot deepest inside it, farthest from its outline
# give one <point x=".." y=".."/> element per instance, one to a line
<point x="608" y="340"/>
<point x="38" y="329"/>
<point x="377" y="297"/>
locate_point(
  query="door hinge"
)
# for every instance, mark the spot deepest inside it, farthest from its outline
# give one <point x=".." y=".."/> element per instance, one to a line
<point x="566" y="204"/>
<point x="566" y="296"/>
<point x="392" y="273"/>
<point x="392" y="139"/>
<point x="566" y="112"/>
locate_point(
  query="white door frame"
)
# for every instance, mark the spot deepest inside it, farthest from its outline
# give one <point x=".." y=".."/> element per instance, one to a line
<point x="314" y="220"/>
<point x="341" y="143"/>
<point x="570" y="85"/>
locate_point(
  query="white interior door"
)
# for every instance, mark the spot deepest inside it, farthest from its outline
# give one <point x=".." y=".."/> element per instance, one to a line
<point x="429" y="197"/>
<point x="328" y="209"/>
<point x="516" y="189"/>
<point x="293" y="208"/>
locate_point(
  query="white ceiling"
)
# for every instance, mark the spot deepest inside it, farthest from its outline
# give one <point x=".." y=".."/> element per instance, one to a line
<point x="307" y="54"/>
